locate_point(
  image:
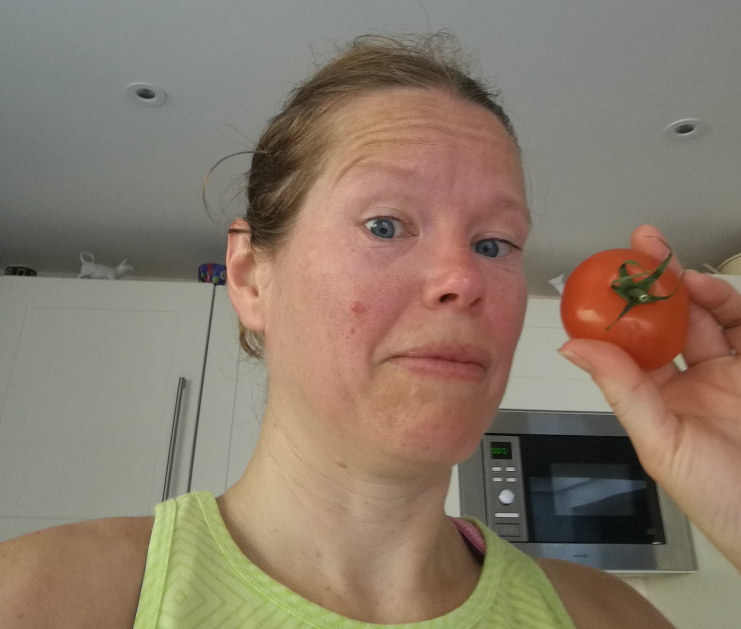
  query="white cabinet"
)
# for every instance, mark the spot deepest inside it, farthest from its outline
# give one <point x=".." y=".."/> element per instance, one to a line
<point x="90" y="380"/>
<point x="542" y="379"/>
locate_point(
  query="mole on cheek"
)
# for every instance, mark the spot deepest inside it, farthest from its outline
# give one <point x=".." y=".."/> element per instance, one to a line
<point x="357" y="307"/>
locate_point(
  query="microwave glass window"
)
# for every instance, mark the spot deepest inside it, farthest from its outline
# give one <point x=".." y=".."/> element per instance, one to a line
<point x="594" y="489"/>
<point x="588" y="490"/>
<point x="500" y="449"/>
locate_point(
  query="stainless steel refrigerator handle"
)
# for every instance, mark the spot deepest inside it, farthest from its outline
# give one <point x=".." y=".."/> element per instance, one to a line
<point x="173" y="438"/>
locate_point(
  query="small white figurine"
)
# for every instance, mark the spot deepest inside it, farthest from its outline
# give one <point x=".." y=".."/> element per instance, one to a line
<point x="557" y="283"/>
<point x="95" y="271"/>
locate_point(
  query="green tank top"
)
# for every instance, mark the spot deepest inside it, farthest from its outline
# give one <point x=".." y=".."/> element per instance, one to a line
<point x="197" y="577"/>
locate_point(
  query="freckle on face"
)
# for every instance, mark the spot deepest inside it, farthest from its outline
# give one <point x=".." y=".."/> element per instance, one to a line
<point x="357" y="307"/>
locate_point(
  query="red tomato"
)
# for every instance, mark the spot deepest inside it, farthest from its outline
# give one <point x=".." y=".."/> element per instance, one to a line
<point x="652" y="333"/>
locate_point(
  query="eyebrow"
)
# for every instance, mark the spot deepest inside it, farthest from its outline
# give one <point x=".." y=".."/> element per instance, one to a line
<point x="502" y="202"/>
<point x="398" y="172"/>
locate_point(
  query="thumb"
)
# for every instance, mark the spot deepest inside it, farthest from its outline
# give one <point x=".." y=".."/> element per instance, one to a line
<point x="633" y="397"/>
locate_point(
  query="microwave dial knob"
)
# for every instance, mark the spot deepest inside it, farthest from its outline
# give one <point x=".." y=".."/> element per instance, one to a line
<point x="506" y="497"/>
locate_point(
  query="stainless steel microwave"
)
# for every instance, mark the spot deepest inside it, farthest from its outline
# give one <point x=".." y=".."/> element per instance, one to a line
<point x="569" y="485"/>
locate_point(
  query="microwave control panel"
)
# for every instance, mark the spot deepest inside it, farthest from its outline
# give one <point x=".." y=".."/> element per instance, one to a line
<point x="505" y="491"/>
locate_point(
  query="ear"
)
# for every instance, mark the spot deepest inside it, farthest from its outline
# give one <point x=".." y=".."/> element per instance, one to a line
<point x="241" y="278"/>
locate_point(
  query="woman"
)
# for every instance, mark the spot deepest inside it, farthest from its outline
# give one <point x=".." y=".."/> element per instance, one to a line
<point x="380" y="264"/>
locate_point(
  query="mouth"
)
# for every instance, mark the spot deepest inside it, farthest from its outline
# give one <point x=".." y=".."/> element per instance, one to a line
<point x="459" y="362"/>
<point x="440" y="368"/>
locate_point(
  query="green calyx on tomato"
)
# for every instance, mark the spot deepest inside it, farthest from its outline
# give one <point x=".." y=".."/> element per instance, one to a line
<point x="636" y="291"/>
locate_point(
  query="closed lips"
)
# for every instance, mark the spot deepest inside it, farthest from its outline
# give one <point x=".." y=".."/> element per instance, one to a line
<point x="458" y="354"/>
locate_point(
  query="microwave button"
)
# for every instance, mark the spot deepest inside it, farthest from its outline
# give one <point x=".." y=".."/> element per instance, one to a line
<point x="510" y="469"/>
<point x="496" y="468"/>
<point x="511" y="480"/>
<point x="507" y="530"/>
<point x="506" y="515"/>
<point x="497" y="479"/>
<point x="506" y="496"/>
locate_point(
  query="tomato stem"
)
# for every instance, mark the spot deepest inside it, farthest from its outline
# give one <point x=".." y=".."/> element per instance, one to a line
<point x="636" y="291"/>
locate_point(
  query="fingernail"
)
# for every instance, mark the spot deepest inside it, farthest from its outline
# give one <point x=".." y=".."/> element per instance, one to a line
<point x="573" y="358"/>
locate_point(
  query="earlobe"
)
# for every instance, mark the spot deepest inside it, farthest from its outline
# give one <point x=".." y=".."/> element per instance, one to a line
<point x="241" y="276"/>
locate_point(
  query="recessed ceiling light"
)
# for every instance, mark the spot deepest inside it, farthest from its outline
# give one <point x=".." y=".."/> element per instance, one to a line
<point x="686" y="129"/>
<point x="146" y="94"/>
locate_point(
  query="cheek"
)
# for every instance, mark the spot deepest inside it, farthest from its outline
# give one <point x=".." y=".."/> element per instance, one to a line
<point x="507" y="313"/>
<point x="341" y="302"/>
<point x="367" y="313"/>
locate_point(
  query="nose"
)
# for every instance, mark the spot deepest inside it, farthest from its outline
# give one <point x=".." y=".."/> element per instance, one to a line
<point x="453" y="277"/>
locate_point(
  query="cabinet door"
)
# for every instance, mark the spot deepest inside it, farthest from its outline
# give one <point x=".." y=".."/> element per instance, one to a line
<point x="90" y="382"/>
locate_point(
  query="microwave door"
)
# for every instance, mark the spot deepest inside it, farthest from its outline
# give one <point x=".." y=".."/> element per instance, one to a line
<point x="587" y="490"/>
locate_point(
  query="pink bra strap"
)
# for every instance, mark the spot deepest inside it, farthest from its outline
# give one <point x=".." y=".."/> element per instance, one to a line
<point x="472" y="535"/>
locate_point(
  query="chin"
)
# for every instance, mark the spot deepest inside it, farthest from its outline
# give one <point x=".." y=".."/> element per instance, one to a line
<point x="448" y="445"/>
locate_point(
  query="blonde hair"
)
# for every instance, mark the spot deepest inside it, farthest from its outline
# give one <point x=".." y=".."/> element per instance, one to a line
<point x="293" y="148"/>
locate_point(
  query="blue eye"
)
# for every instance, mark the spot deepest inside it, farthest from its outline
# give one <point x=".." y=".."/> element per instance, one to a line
<point x="493" y="248"/>
<point x="383" y="227"/>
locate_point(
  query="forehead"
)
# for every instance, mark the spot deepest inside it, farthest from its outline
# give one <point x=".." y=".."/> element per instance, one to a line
<point x="415" y="122"/>
<point x="443" y="144"/>
<point x="416" y="109"/>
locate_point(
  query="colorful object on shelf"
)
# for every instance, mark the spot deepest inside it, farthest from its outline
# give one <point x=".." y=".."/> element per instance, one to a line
<point x="212" y="273"/>
<point x="91" y="270"/>
<point x="19" y="269"/>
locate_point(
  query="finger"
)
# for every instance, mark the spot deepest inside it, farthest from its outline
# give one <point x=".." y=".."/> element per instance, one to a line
<point x="648" y="239"/>
<point x="633" y="397"/>
<point x="704" y="339"/>
<point x="722" y="303"/>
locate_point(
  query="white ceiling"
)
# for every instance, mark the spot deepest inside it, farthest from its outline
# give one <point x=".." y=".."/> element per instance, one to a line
<point x="590" y="87"/>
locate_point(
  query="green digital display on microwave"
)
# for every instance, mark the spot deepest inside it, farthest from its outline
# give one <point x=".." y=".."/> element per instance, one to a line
<point x="500" y="450"/>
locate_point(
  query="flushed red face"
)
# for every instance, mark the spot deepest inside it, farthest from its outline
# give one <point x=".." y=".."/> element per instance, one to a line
<point x="409" y="242"/>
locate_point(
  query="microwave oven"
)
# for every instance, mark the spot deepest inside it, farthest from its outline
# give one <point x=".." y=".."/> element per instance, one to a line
<point x="569" y="485"/>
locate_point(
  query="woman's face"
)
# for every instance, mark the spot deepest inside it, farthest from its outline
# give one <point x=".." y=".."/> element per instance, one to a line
<point x="408" y="239"/>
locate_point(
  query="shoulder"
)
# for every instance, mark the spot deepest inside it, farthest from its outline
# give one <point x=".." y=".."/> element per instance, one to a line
<point x="87" y="574"/>
<point x="594" y="598"/>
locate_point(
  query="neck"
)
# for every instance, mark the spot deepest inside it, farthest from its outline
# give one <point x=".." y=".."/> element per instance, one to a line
<point x="341" y="536"/>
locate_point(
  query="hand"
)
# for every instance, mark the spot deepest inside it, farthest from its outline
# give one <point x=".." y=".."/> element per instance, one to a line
<point x="684" y="425"/>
